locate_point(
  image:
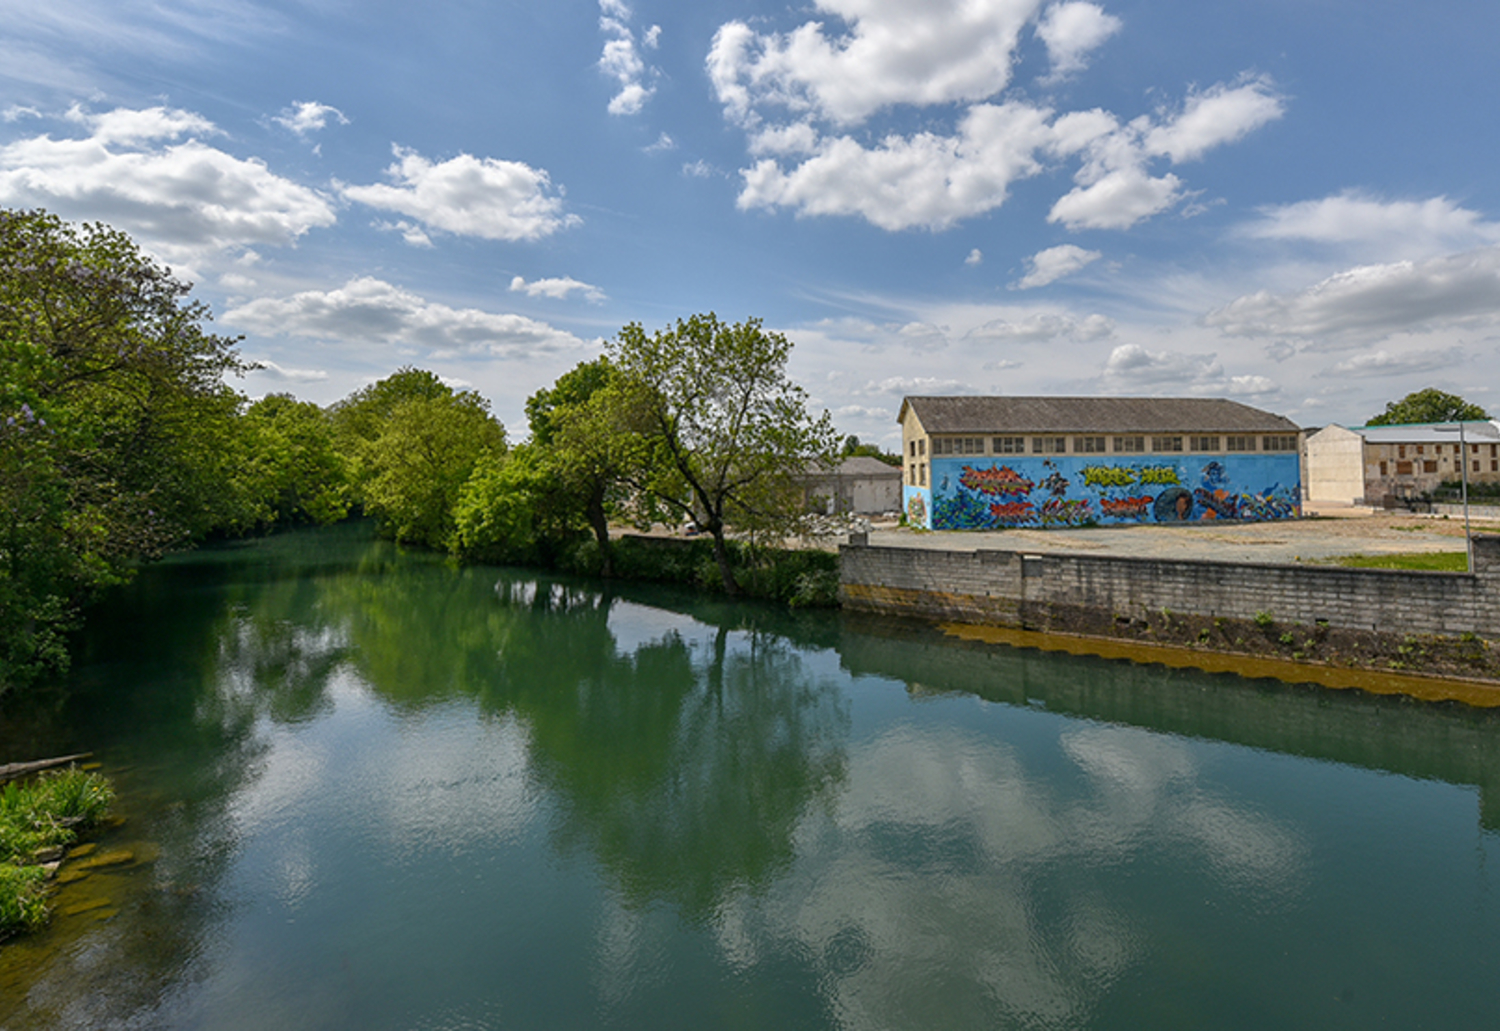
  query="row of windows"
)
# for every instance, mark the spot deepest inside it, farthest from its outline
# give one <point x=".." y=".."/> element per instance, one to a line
<point x="1098" y="445"/>
<point x="1430" y="466"/>
<point x="1437" y="449"/>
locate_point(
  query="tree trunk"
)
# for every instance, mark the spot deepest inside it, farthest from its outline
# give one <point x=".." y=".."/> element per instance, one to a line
<point x="597" y="520"/>
<point x="721" y="556"/>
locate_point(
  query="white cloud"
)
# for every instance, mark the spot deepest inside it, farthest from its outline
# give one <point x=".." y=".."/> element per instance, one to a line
<point x="1373" y="301"/>
<point x="976" y="257"/>
<point x="919" y="386"/>
<point x="410" y="232"/>
<point x="1042" y="327"/>
<point x="663" y="142"/>
<point x="368" y="310"/>
<point x="621" y="58"/>
<point x="270" y="370"/>
<point x="893" y="52"/>
<point x="1383" y="363"/>
<point x="699" y="169"/>
<point x="558" y="289"/>
<point x="307" y="116"/>
<point x="800" y="95"/>
<point x="1072" y="31"/>
<point x="1131" y="367"/>
<point x="924" y="180"/>
<point x="469" y="196"/>
<point x="1054" y="263"/>
<point x="1214" y="117"/>
<point x="1403" y="228"/>
<point x="185" y="200"/>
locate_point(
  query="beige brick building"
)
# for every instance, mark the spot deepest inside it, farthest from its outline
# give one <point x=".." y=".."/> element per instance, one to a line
<point x="1365" y="465"/>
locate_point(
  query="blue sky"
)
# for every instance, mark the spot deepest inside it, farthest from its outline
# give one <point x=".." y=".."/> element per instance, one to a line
<point x="1293" y="203"/>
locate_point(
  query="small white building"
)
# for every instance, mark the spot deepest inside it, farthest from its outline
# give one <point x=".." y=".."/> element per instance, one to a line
<point x="1365" y="465"/>
<point x="858" y="485"/>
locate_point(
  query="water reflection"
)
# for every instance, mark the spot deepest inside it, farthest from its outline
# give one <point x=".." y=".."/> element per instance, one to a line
<point x="392" y="793"/>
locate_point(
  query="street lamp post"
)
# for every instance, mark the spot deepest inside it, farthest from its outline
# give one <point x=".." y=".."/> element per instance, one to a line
<point x="1463" y="461"/>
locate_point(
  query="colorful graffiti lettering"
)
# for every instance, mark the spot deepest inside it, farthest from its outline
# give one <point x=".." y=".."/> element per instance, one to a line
<point x="1126" y="508"/>
<point x="1060" y="512"/>
<point x="1160" y="475"/>
<point x="995" y="482"/>
<point x="1012" y="513"/>
<point x="1108" y="475"/>
<point x="1055" y="484"/>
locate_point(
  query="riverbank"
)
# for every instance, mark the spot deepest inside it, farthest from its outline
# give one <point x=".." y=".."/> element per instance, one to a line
<point x="39" y="819"/>
<point x="1441" y="624"/>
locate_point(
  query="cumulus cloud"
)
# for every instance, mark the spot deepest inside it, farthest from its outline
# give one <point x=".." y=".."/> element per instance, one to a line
<point x="1054" y="263"/>
<point x="185" y="200"/>
<point x="801" y="95"/>
<point x="558" y="289"/>
<point x="1072" y="31"/>
<point x="282" y="374"/>
<point x="1373" y="301"/>
<point x="412" y="233"/>
<point x="308" y="116"/>
<point x="663" y="142"/>
<point x="621" y="59"/>
<point x="976" y="257"/>
<point x="1043" y="327"/>
<point x="919" y="386"/>
<point x="1405" y="228"/>
<point x="1133" y="368"/>
<point x="1383" y="363"/>
<point x="368" y="310"/>
<point x="469" y="196"/>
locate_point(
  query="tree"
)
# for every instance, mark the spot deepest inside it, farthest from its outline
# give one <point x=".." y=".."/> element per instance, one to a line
<point x="291" y="471"/>
<point x="729" y="430"/>
<point x="1429" y="405"/>
<point x="118" y="426"/>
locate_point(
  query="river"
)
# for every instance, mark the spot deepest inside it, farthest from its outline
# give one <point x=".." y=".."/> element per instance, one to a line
<point x="363" y="788"/>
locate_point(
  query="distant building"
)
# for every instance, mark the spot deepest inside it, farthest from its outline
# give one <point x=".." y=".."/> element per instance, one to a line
<point x="996" y="462"/>
<point x="858" y="485"/>
<point x="1367" y="465"/>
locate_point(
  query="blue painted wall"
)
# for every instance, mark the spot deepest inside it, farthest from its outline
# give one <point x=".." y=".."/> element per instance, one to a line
<point x="990" y="493"/>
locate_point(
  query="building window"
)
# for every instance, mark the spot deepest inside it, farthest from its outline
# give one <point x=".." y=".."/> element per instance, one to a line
<point x="1166" y="443"/>
<point x="1010" y="445"/>
<point x="1401" y="451"/>
<point x="1088" y="445"/>
<point x="1049" y="445"/>
<point x="1403" y="468"/>
<point x="914" y="449"/>
<point x="1430" y="466"/>
<point x="1476" y="465"/>
<point x="1239" y="443"/>
<point x="1130" y="445"/>
<point x="1384" y="469"/>
<point x="973" y="445"/>
<point x="1419" y="449"/>
<point x="1494" y="466"/>
<point x="922" y="447"/>
<point x="922" y="475"/>
<point x="1278" y="443"/>
<point x="941" y="446"/>
<point x="1204" y="443"/>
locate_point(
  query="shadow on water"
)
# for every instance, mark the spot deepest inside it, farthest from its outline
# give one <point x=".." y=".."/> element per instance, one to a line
<point x="680" y="759"/>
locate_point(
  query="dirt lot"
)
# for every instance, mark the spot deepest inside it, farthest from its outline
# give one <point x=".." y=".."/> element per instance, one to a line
<point x="1303" y="540"/>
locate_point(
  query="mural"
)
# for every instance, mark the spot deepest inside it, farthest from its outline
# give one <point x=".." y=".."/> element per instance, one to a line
<point x="995" y="493"/>
<point x="917" y="502"/>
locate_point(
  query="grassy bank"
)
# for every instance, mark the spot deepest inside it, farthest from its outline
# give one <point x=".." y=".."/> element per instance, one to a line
<point x="799" y="578"/>
<point x="1438" y="561"/>
<point x="37" y="819"/>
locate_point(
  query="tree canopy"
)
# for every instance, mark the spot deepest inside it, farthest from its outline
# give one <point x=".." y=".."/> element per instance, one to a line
<point x="1429" y="405"/>
<point x="730" y="432"/>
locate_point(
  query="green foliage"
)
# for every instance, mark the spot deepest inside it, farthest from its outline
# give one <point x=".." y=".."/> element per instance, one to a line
<point x="728" y="432"/>
<point x="291" y="470"/>
<point x="514" y="510"/>
<point x="852" y="447"/>
<point x="1264" y="619"/>
<point x="37" y="815"/>
<point x="117" y="432"/>
<point x="1429" y="405"/>
<point x="795" y="577"/>
<point x="410" y="443"/>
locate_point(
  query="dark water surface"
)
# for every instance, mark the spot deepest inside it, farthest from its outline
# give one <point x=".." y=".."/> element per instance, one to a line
<point x="363" y="789"/>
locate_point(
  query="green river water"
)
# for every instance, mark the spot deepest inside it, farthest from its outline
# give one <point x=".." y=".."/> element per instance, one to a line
<point x="364" y="789"/>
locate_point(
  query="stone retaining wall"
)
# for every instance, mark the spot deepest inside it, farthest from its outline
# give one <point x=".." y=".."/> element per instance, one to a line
<point x="1064" y="592"/>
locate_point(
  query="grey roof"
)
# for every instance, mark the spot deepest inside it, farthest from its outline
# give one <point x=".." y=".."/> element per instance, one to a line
<point x="857" y="465"/>
<point x="1427" y="432"/>
<point x="1092" y="415"/>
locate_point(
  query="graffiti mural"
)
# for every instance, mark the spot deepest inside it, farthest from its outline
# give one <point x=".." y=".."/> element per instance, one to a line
<point x="989" y="494"/>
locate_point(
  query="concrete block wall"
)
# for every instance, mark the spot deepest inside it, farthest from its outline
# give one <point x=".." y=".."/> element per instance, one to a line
<point x="1016" y="589"/>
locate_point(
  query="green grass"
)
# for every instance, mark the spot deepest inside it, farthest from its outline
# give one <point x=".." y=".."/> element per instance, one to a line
<point x="1440" y="561"/>
<point x="35" y="815"/>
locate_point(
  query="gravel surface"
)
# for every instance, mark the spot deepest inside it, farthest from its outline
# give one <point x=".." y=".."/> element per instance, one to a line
<point x="1301" y="540"/>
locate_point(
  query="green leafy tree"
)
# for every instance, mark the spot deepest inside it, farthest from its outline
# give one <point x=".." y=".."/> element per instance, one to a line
<point x="853" y="447"/>
<point x="118" y="428"/>
<point x="1429" y="405"/>
<point x="292" y="471"/>
<point x="423" y="455"/>
<point x="362" y="416"/>
<point x="730" y="432"/>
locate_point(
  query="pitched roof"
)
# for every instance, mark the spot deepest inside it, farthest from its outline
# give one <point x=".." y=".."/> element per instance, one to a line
<point x="1426" y="432"/>
<point x="856" y="466"/>
<point x="1092" y="415"/>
